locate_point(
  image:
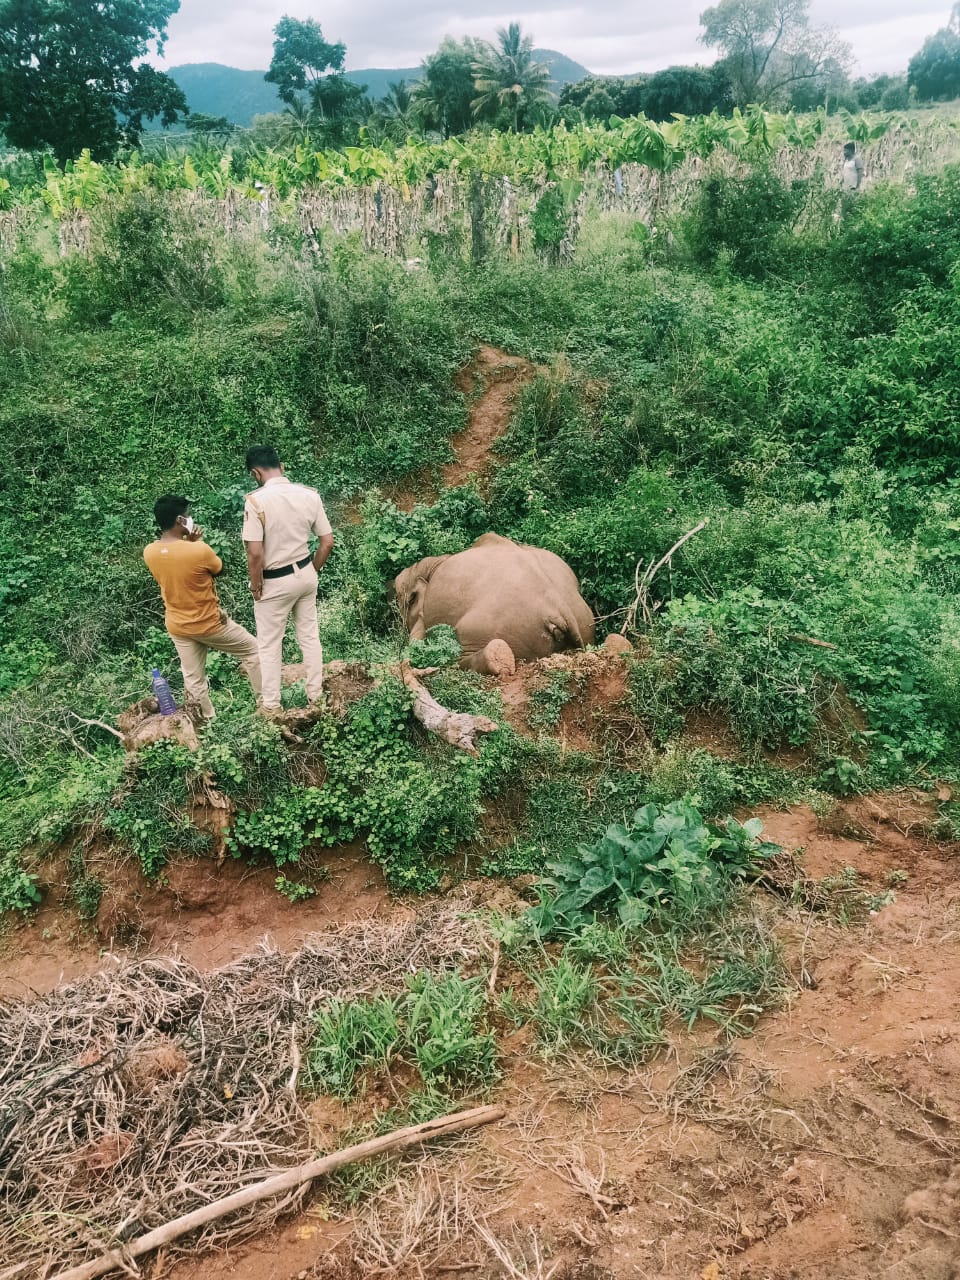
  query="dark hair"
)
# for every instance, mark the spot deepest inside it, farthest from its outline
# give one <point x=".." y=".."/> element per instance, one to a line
<point x="167" y="508"/>
<point x="262" y="455"/>
<point x="849" y="148"/>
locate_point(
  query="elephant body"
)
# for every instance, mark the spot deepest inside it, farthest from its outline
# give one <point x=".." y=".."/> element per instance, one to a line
<point x="505" y="601"/>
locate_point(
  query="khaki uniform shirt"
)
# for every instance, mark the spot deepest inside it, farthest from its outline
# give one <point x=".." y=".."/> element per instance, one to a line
<point x="282" y="515"/>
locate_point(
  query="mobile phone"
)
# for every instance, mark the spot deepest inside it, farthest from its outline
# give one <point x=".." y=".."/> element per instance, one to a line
<point x="186" y="522"/>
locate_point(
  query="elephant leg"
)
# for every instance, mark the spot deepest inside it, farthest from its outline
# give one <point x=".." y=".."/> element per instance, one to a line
<point x="490" y="656"/>
<point x="494" y="659"/>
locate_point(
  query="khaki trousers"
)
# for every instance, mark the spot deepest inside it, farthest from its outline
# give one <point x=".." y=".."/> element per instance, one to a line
<point x="294" y="594"/>
<point x="230" y="638"/>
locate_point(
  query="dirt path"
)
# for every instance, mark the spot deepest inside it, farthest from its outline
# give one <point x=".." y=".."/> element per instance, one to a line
<point x="825" y="1147"/>
<point x="499" y="377"/>
<point x="490" y="383"/>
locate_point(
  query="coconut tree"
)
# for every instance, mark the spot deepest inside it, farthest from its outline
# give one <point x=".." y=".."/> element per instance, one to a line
<point x="507" y="77"/>
<point x="397" y="110"/>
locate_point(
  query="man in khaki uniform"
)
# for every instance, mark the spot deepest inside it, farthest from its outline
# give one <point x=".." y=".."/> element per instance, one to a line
<point x="185" y="568"/>
<point x="278" y="520"/>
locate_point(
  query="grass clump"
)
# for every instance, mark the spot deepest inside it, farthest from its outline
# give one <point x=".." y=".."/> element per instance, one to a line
<point x="437" y="1028"/>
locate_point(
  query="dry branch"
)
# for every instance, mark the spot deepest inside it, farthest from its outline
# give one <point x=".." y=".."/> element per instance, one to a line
<point x="154" y="1075"/>
<point x="642" y="582"/>
<point x="821" y="644"/>
<point x="459" y="728"/>
<point x="288" y="1181"/>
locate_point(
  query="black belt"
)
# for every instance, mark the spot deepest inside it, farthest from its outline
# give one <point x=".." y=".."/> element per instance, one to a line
<point x="287" y="569"/>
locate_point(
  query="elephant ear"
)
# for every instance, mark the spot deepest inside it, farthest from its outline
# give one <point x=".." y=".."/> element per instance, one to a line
<point x="411" y="606"/>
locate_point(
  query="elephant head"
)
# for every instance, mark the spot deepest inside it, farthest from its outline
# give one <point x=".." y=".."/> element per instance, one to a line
<point x="409" y="590"/>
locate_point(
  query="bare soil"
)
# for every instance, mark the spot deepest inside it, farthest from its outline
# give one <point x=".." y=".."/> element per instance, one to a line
<point x="206" y="913"/>
<point x="597" y="685"/>
<point x="827" y="1146"/>
<point x="490" y="383"/>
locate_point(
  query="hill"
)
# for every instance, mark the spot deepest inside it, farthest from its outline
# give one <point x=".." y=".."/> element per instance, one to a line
<point x="218" y="90"/>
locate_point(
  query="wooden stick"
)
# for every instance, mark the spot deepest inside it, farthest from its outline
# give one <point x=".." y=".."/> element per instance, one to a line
<point x="98" y="724"/>
<point x="821" y="644"/>
<point x="292" y="1178"/>
<point x="643" y="583"/>
<point x="459" y="728"/>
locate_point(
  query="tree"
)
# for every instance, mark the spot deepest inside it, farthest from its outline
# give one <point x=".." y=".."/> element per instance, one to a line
<point x="769" y="45"/>
<point x="199" y="122"/>
<point x="397" y="111"/>
<point x="67" y="74"/>
<point x="508" y="80"/>
<point x="934" y="72"/>
<point x="830" y="87"/>
<point x="303" y="60"/>
<point x="688" y="91"/>
<point x="444" y="94"/>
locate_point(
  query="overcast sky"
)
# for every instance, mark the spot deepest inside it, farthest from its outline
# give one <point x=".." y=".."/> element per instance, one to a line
<point x="607" y="36"/>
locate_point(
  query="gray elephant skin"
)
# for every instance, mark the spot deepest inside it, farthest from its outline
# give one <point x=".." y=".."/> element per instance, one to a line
<point x="506" y="602"/>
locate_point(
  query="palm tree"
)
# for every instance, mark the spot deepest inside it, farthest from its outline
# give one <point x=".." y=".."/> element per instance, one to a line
<point x="397" y="109"/>
<point x="506" y="76"/>
<point x="298" y="120"/>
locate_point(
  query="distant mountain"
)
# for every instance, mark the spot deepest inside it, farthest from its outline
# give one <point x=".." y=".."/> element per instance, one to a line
<point x="216" y="90"/>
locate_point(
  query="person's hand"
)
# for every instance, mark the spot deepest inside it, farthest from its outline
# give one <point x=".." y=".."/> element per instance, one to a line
<point x="256" y="591"/>
<point x="195" y="534"/>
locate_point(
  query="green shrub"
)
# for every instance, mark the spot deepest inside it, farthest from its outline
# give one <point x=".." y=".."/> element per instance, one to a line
<point x="151" y="815"/>
<point x="661" y="856"/>
<point x="412" y="806"/>
<point x="18" y="888"/>
<point x="740" y="656"/>
<point x="148" y="257"/>
<point x="748" y="219"/>
<point x="895" y="238"/>
<point x="438" y="648"/>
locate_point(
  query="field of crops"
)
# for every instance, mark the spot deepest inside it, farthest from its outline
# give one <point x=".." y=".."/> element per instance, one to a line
<point x="542" y="182"/>
<point x="641" y="331"/>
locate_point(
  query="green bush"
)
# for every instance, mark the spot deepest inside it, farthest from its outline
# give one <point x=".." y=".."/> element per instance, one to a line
<point x="895" y="238"/>
<point x="662" y="856"/>
<point x="438" y="648"/>
<point x="746" y="219"/>
<point x="412" y="807"/>
<point x="151" y="815"/>
<point x="148" y="257"/>
<point x="740" y="657"/>
<point x="18" y="888"/>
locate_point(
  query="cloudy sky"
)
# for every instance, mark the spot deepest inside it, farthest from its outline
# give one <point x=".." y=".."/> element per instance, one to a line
<point x="608" y="36"/>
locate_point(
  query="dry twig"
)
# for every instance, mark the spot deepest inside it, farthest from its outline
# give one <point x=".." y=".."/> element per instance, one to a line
<point x="128" y="1098"/>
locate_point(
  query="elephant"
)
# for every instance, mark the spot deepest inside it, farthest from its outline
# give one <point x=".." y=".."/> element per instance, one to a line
<point x="505" y="600"/>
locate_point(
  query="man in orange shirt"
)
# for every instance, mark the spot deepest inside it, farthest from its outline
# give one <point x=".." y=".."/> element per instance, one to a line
<point x="185" y="568"/>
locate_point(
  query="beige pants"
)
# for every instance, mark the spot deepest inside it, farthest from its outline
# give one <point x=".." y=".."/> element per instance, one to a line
<point x="294" y="594"/>
<point x="230" y="638"/>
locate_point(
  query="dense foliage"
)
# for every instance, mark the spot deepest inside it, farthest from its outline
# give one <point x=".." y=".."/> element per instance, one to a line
<point x="72" y="75"/>
<point x="779" y="359"/>
<point x="295" y="163"/>
<point x="659" y="856"/>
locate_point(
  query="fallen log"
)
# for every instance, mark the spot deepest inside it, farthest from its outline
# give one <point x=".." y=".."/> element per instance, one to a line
<point x="119" y="1260"/>
<point x="459" y="728"/>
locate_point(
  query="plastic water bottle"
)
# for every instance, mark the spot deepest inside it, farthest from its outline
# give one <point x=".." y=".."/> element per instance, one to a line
<point x="165" y="698"/>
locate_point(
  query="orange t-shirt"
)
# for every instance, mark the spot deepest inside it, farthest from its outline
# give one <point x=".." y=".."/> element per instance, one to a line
<point x="185" y="572"/>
